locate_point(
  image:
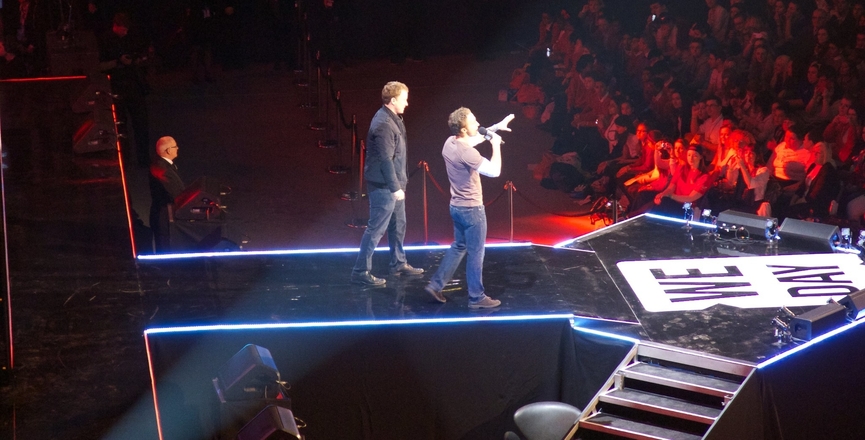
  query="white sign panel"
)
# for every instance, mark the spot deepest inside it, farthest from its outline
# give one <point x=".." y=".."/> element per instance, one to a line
<point x="745" y="282"/>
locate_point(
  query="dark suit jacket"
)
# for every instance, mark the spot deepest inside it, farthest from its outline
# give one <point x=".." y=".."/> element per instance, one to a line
<point x="386" y="151"/>
<point x="165" y="184"/>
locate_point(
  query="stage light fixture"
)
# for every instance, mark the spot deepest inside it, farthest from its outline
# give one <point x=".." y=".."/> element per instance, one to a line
<point x="815" y="322"/>
<point x="249" y="374"/>
<point x="855" y="305"/>
<point x="272" y="423"/>
<point x="818" y="321"/>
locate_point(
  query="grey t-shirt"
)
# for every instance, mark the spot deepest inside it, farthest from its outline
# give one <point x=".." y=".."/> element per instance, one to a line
<point x="462" y="162"/>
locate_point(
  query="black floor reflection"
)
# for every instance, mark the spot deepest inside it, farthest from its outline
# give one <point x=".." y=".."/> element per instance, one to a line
<point x="316" y="287"/>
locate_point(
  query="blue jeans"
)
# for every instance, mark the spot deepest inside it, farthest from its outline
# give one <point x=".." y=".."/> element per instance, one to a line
<point x="385" y="215"/>
<point x="470" y="233"/>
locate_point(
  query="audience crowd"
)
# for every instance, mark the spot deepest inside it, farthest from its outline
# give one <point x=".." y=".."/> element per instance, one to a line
<point x="754" y="107"/>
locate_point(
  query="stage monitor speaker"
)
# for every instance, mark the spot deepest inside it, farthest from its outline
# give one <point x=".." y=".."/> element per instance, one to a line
<point x="855" y="304"/>
<point x="249" y="374"/>
<point x="818" y="321"/>
<point x="95" y="134"/>
<point x="199" y="201"/>
<point x="823" y="235"/>
<point x="272" y="423"/>
<point x="753" y="223"/>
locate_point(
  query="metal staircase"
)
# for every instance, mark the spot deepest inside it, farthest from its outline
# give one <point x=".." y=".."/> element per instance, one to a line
<point x="663" y="392"/>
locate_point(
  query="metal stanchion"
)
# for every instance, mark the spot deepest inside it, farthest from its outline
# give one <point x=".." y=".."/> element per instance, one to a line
<point x="338" y="169"/>
<point x="357" y="156"/>
<point x="318" y="125"/>
<point x="329" y="142"/>
<point x="359" y="222"/>
<point x="425" y="166"/>
<point x="301" y="18"/>
<point x="306" y="62"/>
<point x="309" y="103"/>
<point x="509" y="185"/>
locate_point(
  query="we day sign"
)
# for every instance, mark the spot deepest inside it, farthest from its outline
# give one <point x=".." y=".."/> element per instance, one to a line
<point x="744" y="282"/>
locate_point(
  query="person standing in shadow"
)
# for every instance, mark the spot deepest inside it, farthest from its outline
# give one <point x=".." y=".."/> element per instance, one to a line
<point x="121" y="56"/>
<point x="165" y="186"/>
<point x="386" y="181"/>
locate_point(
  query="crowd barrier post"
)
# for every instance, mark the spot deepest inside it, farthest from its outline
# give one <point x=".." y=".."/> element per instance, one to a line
<point x="356" y="158"/>
<point x="301" y="18"/>
<point x="509" y="185"/>
<point x="425" y="166"/>
<point x="318" y="125"/>
<point x="304" y="57"/>
<point x="309" y="103"/>
<point x="357" y="222"/>
<point x="329" y="142"/>
<point x="337" y="142"/>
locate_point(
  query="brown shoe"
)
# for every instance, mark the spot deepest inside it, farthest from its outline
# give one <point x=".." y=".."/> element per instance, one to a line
<point x="435" y="294"/>
<point x="405" y="269"/>
<point x="484" y="302"/>
<point x="366" y="279"/>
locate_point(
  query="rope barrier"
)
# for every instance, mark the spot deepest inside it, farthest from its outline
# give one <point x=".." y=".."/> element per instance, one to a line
<point x="435" y="183"/>
<point x="335" y="97"/>
<point x="438" y="187"/>
<point x="417" y="168"/>
<point x="424" y="164"/>
<point x="504" y="190"/>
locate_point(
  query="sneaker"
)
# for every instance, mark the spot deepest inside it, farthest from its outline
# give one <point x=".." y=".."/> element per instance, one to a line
<point x="367" y="279"/>
<point x="435" y="294"/>
<point x="484" y="303"/>
<point x="405" y="269"/>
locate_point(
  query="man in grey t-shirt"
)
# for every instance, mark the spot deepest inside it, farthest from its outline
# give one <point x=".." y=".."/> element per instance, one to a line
<point x="464" y="166"/>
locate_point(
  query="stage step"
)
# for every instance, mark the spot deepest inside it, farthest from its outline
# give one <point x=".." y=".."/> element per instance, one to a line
<point x="620" y="427"/>
<point x="659" y="404"/>
<point x="682" y="379"/>
<point x="663" y="392"/>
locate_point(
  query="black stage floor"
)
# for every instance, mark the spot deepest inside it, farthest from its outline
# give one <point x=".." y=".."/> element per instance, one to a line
<point x="580" y="278"/>
<point x="315" y="286"/>
<point x="224" y="300"/>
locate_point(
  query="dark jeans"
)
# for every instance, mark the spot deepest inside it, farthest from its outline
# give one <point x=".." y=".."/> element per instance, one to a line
<point x="470" y="234"/>
<point x="385" y="215"/>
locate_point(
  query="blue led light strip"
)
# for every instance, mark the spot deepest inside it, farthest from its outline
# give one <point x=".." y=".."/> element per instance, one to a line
<point x="233" y="327"/>
<point x="606" y="334"/>
<point x="304" y="251"/>
<point x="681" y="221"/>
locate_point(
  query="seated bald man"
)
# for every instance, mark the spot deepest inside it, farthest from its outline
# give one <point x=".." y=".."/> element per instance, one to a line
<point x="165" y="186"/>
